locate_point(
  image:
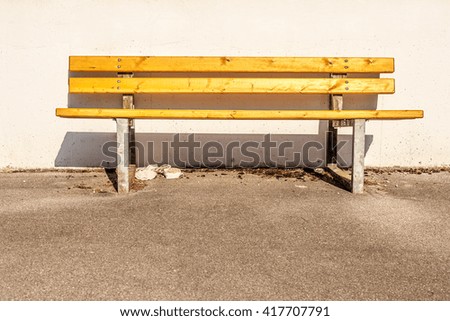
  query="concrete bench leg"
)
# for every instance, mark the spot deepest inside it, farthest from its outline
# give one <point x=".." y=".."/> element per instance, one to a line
<point x="123" y="155"/>
<point x="358" y="156"/>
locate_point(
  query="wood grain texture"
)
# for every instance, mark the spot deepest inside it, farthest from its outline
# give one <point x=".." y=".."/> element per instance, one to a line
<point x="236" y="114"/>
<point x="232" y="85"/>
<point x="231" y="64"/>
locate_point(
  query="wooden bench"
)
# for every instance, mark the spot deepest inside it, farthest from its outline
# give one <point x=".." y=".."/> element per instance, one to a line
<point x="338" y="80"/>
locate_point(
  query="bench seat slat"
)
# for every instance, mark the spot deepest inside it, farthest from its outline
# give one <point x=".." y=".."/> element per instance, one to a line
<point x="233" y="85"/>
<point x="236" y="114"/>
<point x="231" y="64"/>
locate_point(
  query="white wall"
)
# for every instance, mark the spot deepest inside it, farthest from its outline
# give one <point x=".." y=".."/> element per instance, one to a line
<point x="36" y="38"/>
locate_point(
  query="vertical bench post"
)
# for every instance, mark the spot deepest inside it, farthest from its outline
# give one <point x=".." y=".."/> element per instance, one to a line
<point x="128" y="103"/>
<point x="358" y="156"/>
<point x="126" y="170"/>
<point x="336" y="103"/>
<point x="123" y="155"/>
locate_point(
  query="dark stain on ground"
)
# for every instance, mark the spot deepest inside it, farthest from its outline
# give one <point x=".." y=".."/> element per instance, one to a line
<point x="303" y="174"/>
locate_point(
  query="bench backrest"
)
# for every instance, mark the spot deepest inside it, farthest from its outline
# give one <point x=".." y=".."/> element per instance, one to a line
<point x="231" y="75"/>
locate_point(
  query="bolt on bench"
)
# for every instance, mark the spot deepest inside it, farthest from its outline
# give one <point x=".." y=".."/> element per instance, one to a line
<point x="335" y="83"/>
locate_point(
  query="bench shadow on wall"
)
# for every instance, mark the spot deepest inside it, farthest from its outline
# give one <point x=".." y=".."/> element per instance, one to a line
<point x="306" y="149"/>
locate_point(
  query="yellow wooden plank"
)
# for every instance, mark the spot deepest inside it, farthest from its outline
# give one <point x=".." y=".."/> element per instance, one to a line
<point x="232" y="64"/>
<point x="236" y="114"/>
<point x="232" y="85"/>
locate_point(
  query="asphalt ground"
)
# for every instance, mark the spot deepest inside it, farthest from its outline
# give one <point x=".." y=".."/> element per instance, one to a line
<point x="224" y="235"/>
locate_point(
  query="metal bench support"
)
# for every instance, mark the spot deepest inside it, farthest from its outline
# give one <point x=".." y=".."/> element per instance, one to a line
<point x="358" y="156"/>
<point x="123" y="155"/>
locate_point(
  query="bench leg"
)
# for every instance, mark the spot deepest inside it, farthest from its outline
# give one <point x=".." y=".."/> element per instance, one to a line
<point x="123" y="155"/>
<point x="358" y="156"/>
